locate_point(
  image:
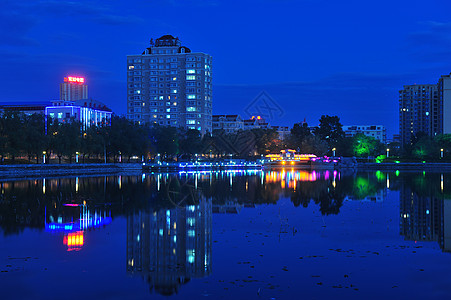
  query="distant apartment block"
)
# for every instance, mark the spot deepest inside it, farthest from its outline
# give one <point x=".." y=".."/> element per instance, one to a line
<point x="170" y="85"/>
<point x="376" y="131"/>
<point x="420" y="110"/>
<point x="444" y="106"/>
<point x="73" y="88"/>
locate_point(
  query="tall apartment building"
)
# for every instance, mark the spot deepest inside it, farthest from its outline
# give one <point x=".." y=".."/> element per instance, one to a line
<point x="419" y="111"/>
<point x="444" y="95"/>
<point x="376" y="131"/>
<point x="73" y="88"/>
<point x="171" y="86"/>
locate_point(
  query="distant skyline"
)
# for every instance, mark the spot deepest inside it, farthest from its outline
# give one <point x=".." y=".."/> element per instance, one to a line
<point x="345" y="58"/>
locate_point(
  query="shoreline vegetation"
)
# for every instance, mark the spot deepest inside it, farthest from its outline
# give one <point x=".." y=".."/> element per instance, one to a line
<point x="28" y="139"/>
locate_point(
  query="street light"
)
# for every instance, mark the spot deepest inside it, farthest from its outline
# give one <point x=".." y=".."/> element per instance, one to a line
<point x="76" y="157"/>
<point x="388" y="152"/>
<point x="334" y="149"/>
<point x="43" y="158"/>
<point x="441" y="153"/>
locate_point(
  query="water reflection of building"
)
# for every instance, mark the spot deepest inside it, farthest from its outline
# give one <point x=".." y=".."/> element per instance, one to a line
<point x="72" y="220"/>
<point x="379" y="196"/>
<point x="170" y="246"/>
<point x="230" y="207"/>
<point x="425" y="217"/>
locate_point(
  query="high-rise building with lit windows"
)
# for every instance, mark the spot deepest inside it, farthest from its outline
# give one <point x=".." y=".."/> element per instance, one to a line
<point x="444" y="95"/>
<point x="419" y="111"/>
<point x="73" y="88"/>
<point x="170" y="85"/>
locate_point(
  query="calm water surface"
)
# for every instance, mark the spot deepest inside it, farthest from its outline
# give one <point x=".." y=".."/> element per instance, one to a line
<point x="240" y="235"/>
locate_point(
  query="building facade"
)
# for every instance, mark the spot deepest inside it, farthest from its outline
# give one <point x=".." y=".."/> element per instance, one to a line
<point x="283" y="131"/>
<point x="171" y="86"/>
<point x="27" y="108"/>
<point x="419" y="111"/>
<point x="256" y="122"/>
<point x="73" y="88"/>
<point x="444" y="106"/>
<point x="229" y="123"/>
<point x="376" y="131"/>
<point x="66" y="111"/>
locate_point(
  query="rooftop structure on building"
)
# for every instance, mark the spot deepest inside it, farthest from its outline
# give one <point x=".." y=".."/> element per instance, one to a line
<point x="169" y="85"/>
<point x="376" y="131"/>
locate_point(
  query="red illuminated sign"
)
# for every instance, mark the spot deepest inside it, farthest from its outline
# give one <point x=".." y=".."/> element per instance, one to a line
<point x="74" y="79"/>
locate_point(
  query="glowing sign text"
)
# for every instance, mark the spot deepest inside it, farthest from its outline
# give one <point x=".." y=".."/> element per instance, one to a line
<point x="74" y="79"/>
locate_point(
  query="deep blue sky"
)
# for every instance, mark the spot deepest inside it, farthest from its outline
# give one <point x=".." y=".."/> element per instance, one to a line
<point x="347" y="58"/>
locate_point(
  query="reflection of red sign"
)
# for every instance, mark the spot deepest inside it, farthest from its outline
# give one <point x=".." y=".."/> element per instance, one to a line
<point x="74" y="241"/>
<point x="74" y="79"/>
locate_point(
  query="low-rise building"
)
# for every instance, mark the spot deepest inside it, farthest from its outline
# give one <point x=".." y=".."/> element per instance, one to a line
<point x="256" y="122"/>
<point x="283" y="131"/>
<point x="27" y="108"/>
<point x="96" y="114"/>
<point x="229" y="123"/>
<point x="376" y="131"/>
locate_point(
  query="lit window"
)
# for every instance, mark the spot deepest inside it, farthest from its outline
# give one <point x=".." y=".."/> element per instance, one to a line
<point x="168" y="116"/>
<point x="190" y="96"/>
<point x="131" y="67"/>
<point x="190" y="77"/>
<point x="52" y="115"/>
<point x="190" y="108"/>
<point x="174" y="91"/>
<point x="190" y="122"/>
<point x="60" y="115"/>
<point x="190" y="71"/>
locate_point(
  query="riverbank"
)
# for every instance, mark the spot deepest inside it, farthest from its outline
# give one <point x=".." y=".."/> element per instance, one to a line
<point x="434" y="167"/>
<point x="33" y="170"/>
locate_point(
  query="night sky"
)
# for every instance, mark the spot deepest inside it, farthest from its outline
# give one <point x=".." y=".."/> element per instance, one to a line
<point x="313" y="57"/>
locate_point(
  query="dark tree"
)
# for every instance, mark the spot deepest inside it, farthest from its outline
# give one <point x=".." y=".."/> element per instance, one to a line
<point x="330" y="130"/>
